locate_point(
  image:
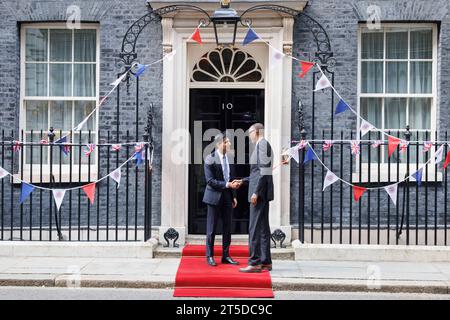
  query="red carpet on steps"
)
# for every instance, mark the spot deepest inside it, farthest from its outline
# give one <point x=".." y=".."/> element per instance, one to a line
<point x="197" y="279"/>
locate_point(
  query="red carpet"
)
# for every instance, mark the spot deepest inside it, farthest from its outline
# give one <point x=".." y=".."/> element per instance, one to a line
<point x="197" y="279"/>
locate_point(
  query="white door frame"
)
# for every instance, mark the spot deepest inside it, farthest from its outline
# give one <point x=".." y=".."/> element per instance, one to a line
<point x="175" y="125"/>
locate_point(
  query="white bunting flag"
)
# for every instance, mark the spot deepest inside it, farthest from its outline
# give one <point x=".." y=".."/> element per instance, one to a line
<point x="81" y="124"/>
<point x="119" y="80"/>
<point x="392" y="192"/>
<point x="438" y="156"/>
<point x="170" y="56"/>
<point x="323" y="83"/>
<point x="293" y="153"/>
<point x="116" y="175"/>
<point x="3" y="173"/>
<point x="58" y="194"/>
<point x="330" y="178"/>
<point x="365" y="127"/>
<point x="276" y="57"/>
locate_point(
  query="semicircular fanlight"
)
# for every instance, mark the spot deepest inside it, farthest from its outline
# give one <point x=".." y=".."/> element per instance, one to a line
<point x="227" y="65"/>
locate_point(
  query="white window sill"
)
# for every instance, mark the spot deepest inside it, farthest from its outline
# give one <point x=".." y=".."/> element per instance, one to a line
<point x="384" y="175"/>
<point x="62" y="176"/>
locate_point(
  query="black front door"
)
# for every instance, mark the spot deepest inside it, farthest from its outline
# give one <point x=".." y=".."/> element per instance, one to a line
<point x="221" y="109"/>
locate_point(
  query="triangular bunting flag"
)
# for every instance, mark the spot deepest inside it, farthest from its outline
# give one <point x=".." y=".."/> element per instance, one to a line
<point x="3" y="173"/>
<point x="58" y="195"/>
<point x="341" y="107"/>
<point x="139" y="158"/>
<point x="63" y="145"/>
<point x="89" y="189"/>
<point x="323" y="83"/>
<point x="306" y="66"/>
<point x="439" y="154"/>
<point x="170" y="56"/>
<point x="196" y="36"/>
<point x="116" y="176"/>
<point x="276" y="57"/>
<point x="393" y="144"/>
<point x="118" y="80"/>
<point x="418" y="176"/>
<point x="392" y="192"/>
<point x="27" y="189"/>
<point x="365" y="127"/>
<point x="250" y="37"/>
<point x="293" y="153"/>
<point x="310" y="156"/>
<point x="447" y="160"/>
<point x="358" y="192"/>
<point x="330" y="178"/>
<point x="140" y="69"/>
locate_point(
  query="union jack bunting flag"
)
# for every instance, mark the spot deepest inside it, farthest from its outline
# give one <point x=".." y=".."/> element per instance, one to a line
<point x="43" y="141"/>
<point x="404" y="146"/>
<point x="88" y="149"/>
<point x="302" y="144"/>
<point x="376" y="144"/>
<point x="139" y="147"/>
<point x="17" y="146"/>
<point x="355" y="147"/>
<point x="427" y="146"/>
<point x="327" y="145"/>
<point x="116" y="147"/>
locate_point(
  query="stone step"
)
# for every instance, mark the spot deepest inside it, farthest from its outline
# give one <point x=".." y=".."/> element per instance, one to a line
<point x="162" y="252"/>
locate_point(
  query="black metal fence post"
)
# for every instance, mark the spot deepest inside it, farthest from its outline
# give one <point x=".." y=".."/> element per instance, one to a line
<point x="301" y="172"/>
<point x="148" y="137"/>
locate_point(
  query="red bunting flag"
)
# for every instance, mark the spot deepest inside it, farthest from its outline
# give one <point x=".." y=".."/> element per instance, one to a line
<point x="447" y="160"/>
<point x="196" y="36"/>
<point x="306" y="66"/>
<point x="89" y="189"/>
<point x="393" y="144"/>
<point x="358" y="192"/>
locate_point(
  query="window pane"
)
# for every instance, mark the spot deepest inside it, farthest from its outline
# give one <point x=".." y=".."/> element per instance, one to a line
<point x="84" y="80"/>
<point x="36" y="115"/>
<point x="371" y="110"/>
<point x="61" y="45"/>
<point x="422" y="44"/>
<point x="35" y="79"/>
<point x="37" y="150"/>
<point x="372" y="45"/>
<point x="397" y="45"/>
<point x="372" y="77"/>
<point x="421" y="77"/>
<point x="395" y="113"/>
<point x="85" y="45"/>
<point x="420" y="113"/>
<point x="396" y="77"/>
<point x="36" y="44"/>
<point x="60" y="80"/>
<point x="61" y="115"/>
<point x="85" y="139"/>
<point x="82" y="110"/>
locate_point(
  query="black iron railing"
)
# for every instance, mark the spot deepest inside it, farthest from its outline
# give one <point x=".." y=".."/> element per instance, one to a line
<point x="118" y="213"/>
<point x="420" y="216"/>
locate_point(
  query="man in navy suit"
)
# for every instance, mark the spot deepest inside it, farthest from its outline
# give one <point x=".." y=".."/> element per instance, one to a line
<point x="220" y="196"/>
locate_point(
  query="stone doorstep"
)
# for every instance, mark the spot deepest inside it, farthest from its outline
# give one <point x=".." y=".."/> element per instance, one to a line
<point x="142" y="250"/>
<point x="379" y="253"/>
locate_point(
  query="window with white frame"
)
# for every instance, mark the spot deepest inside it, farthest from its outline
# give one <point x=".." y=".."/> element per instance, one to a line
<point x="397" y="82"/>
<point x="59" y="88"/>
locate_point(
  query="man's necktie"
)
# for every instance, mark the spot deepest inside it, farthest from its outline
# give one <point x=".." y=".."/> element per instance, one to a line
<point x="226" y="173"/>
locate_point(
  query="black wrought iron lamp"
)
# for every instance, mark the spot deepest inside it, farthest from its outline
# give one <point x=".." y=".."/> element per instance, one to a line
<point x="225" y="21"/>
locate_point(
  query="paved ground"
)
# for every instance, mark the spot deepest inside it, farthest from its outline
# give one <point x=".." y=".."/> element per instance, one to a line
<point x="287" y="275"/>
<point x="24" y="293"/>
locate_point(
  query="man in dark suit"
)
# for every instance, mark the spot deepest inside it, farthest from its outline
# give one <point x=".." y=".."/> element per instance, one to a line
<point x="220" y="196"/>
<point x="260" y="193"/>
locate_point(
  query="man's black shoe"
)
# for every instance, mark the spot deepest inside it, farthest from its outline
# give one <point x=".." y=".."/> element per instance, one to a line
<point x="228" y="260"/>
<point x="211" y="262"/>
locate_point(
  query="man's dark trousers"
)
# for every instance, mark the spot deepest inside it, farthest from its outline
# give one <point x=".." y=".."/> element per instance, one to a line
<point x="259" y="234"/>
<point x="223" y="211"/>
